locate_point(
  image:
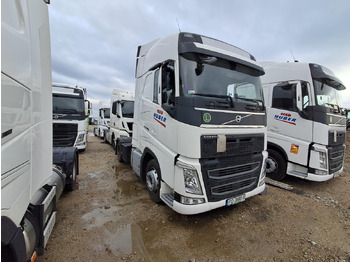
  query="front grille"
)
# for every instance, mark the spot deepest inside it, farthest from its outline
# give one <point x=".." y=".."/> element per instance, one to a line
<point x="235" y="145"/>
<point x="230" y="176"/>
<point x="64" y="134"/>
<point x="336" y="139"/>
<point x="228" y="172"/>
<point x="335" y="158"/>
<point x="235" y="171"/>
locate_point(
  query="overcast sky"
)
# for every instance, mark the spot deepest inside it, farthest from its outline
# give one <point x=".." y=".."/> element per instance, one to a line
<point x="94" y="43"/>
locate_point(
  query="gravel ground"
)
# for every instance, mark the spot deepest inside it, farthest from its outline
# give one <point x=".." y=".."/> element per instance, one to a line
<point x="109" y="217"/>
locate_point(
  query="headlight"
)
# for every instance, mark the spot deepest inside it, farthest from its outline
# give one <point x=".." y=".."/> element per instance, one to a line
<point x="263" y="175"/>
<point x="80" y="139"/>
<point x="323" y="160"/>
<point x="191" y="180"/>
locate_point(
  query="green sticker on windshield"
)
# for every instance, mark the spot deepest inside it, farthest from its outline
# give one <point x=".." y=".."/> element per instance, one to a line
<point x="207" y="117"/>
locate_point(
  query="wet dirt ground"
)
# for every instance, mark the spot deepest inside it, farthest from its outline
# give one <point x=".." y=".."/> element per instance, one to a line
<point x="110" y="217"/>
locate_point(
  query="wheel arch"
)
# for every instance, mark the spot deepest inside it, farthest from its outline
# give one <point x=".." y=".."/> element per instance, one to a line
<point x="277" y="148"/>
<point x="147" y="156"/>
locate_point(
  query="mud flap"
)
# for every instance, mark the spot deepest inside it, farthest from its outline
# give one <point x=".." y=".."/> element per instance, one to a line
<point x="125" y="148"/>
<point x="65" y="158"/>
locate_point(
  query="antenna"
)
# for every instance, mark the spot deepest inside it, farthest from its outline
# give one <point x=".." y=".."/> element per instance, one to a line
<point x="178" y="25"/>
<point x="295" y="61"/>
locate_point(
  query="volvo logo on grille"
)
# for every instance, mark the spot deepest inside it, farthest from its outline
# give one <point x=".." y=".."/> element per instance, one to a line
<point x="237" y="119"/>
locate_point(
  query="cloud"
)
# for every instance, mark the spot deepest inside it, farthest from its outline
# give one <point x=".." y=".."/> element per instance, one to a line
<point x="94" y="43"/>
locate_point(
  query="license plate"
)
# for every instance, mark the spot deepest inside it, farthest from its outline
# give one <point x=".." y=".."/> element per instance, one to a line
<point x="336" y="174"/>
<point x="235" y="200"/>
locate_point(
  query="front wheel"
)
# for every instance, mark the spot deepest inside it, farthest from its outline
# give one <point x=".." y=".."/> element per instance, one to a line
<point x="153" y="178"/>
<point x="276" y="165"/>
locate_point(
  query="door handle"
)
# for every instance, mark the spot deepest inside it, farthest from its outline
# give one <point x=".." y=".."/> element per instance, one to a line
<point x="274" y="129"/>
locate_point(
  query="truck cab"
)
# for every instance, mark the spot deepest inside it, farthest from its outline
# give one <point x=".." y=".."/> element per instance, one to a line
<point x="199" y="134"/>
<point x="122" y="115"/>
<point x="103" y="120"/>
<point x="305" y="121"/>
<point x="33" y="173"/>
<point x="70" y="116"/>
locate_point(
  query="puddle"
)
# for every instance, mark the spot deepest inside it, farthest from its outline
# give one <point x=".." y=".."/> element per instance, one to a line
<point x="126" y="240"/>
<point x="120" y="242"/>
<point x="101" y="216"/>
<point x="128" y="186"/>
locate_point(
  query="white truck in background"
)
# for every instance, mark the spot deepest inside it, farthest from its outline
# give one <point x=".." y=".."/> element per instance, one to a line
<point x="199" y="133"/>
<point x="122" y="117"/>
<point x="305" y="121"/>
<point x="103" y="120"/>
<point x="71" y="111"/>
<point x="30" y="183"/>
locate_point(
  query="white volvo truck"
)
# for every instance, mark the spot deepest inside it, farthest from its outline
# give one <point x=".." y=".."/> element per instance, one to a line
<point x="103" y="120"/>
<point x="30" y="184"/>
<point x="199" y="133"/>
<point x="70" y="116"/>
<point x="305" y="121"/>
<point x="122" y="116"/>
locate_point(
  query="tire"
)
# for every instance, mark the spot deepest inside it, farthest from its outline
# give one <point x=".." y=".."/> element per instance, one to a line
<point x="153" y="180"/>
<point x="276" y="165"/>
<point x="70" y="186"/>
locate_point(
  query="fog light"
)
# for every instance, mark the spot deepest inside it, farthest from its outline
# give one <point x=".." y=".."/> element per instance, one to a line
<point x="321" y="172"/>
<point x="191" y="201"/>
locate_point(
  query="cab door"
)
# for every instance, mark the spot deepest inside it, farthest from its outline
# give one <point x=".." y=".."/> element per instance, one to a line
<point x="287" y="123"/>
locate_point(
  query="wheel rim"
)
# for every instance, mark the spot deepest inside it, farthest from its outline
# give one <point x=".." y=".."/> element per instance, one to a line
<point x="152" y="180"/>
<point x="271" y="165"/>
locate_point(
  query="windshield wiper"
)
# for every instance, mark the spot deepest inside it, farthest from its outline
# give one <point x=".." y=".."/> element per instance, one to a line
<point x="70" y="111"/>
<point x="258" y="103"/>
<point x="218" y="96"/>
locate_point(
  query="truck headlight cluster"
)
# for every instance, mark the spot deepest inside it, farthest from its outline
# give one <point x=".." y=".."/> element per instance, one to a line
<point x="263" y="175"/>
<point x="323" y="160"/>
<point x="191" y="180"/>
<point x="80" y="139"/>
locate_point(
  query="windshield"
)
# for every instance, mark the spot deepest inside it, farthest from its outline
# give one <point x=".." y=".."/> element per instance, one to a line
<point x="128" y="109"/>
<point x="106" y="112"/>
<point x="327" y="95"/>
<point x="68" y="105"/>
<point x="211" y="76"/>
